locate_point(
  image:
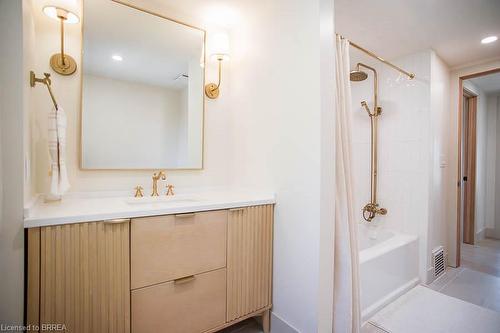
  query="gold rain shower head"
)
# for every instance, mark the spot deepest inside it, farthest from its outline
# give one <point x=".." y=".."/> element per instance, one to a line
<point x="358" y="75"/>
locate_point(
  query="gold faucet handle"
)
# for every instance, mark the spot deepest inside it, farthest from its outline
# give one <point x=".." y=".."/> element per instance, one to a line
<point x="160" y="175"/>
<point x="139" y="191"/>
<point x="170" y="189"/>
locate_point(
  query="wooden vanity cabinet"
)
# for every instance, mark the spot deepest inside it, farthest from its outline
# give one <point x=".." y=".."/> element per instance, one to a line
<point x="79" y="277"/>
<point x="187" y="273"/>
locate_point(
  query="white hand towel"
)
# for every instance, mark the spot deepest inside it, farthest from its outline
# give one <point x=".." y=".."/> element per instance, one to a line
<point x="57" y="150"/>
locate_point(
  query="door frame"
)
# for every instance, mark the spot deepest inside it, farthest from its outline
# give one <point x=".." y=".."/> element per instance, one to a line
<point x="468" y="194"/>
<point x="461" y="80"/>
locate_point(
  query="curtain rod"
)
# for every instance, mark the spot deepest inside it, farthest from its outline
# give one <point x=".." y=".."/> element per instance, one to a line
<point x="373" y="55"/>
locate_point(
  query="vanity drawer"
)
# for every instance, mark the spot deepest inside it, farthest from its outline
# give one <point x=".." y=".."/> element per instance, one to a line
<point x="190" y="305"/>
<point x="165" y="248"/>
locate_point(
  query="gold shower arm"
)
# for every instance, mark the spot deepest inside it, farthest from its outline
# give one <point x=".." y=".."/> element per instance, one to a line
<point x="46" y="81"/>
<point x="373" y="55"/>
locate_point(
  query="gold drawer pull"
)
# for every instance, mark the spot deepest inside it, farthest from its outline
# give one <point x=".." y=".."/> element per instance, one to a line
<point x="237" y="209"/>
<point x="184" y="215"/>
<point x="116" y="221"/>
<point x="185" y="279"/>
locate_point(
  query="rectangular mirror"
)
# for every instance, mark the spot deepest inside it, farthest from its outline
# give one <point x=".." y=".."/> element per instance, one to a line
<point x="142" y="90"/>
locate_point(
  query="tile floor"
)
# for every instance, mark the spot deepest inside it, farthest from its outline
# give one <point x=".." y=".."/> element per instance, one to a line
<point x="251" y="326"/>
<point x="476" y="282"/>
<point x="483" y="257"/>
<point x="425" y="310"/>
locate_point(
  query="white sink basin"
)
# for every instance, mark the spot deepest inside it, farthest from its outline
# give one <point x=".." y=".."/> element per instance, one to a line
<point x="160" y="200"/>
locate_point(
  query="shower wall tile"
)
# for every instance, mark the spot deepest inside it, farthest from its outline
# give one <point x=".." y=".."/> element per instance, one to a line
<point x="404" y="144"/>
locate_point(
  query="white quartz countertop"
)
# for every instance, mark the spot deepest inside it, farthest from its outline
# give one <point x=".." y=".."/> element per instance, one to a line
<point x="86" y="208"/>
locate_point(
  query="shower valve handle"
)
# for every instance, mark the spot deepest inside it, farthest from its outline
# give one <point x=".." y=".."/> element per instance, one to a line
<point x="373" y="210"/>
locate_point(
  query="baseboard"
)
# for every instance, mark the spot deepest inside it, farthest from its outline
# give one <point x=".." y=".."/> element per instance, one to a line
<point x="492" y="233"/>
<point x="279" y="325"/>
<point x="481" y="234"/>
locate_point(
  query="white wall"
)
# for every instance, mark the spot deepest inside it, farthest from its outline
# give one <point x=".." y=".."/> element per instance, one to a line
<point x="491" y="159"/>
<point x="493" y="168"/>
<point x="453" y="177"/>
<point x="217" y="148"/>
<point x="413" y="137"/>
<point x="327" y="166"/>
<point x="127" y="125"/>
<point x="496" y="234"/>
<point x="404" y="145"/>
<point x="13" y="79"/>
<point x="276" y="93"/>
<point x="439" y="167"/>
<point x="481" y="145"/>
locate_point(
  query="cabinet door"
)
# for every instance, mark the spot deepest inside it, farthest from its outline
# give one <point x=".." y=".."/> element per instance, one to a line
<point x="84" y="277"/>
<point x="249" y="260"/>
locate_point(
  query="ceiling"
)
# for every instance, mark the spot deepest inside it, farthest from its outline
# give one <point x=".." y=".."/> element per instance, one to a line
<point x="155" y="50"/>
<point x="392" y="28"/>
<point x="490" y="84"/>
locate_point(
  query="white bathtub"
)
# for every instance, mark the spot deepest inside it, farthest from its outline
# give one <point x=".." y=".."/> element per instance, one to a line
<point x="388" y="267"/>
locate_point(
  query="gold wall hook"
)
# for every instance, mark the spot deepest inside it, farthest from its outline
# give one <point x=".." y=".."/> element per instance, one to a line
<point x="62" y="63"/>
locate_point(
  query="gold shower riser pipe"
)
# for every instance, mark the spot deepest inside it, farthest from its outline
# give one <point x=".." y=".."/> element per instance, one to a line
<point x="373" y="55"/>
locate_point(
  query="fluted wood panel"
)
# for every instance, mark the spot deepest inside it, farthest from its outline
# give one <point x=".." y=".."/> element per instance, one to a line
<point x="85" y="277"/>
<point x="33" y="292"/>
<point x="249" y="260"/>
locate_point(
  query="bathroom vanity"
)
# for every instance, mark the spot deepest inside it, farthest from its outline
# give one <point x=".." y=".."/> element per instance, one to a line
<point x="156" y="265"/>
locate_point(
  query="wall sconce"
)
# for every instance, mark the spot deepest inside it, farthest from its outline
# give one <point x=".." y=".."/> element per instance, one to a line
<point x="220" y="52"/>
<point x="62" y="63"/>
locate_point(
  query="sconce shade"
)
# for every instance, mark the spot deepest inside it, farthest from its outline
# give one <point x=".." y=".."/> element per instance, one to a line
<point x="219" y="47"/>
<point x="58" y="13"/>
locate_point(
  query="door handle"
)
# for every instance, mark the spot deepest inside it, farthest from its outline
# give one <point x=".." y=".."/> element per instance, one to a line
<point x="465" y="178"/>
<point x="185" y="215"/>
<point x="185" y="279"/>
<point x="116" y="221"/>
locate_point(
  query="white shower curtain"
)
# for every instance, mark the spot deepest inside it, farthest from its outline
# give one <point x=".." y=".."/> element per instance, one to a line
<point x="346" y="301"/>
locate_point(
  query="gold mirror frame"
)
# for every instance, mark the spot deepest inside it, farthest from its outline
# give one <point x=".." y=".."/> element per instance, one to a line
<point x="81" y="89"/>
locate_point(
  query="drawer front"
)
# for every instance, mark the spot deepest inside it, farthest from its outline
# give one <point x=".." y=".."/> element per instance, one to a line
<point x="168" y="247"/>
<point x="189" y="305"/>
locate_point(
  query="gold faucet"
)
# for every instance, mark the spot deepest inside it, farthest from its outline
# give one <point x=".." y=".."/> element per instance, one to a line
<point x="156" y="177"/>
